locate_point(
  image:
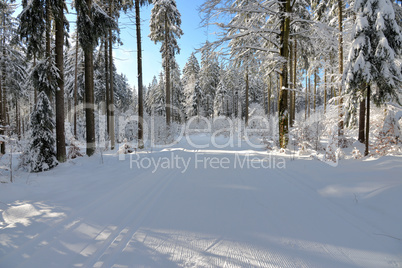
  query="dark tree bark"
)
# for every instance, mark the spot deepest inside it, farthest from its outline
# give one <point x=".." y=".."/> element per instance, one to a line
<point x="3" y="98"/>
<point x="340" y="54"/>
<point x="247" y="90"/>
<point x="362" y="115"/>
<point x="139" y="67"/>
<point x="111" y="88"/>
<point x="60" y="136"/>
<point x="75" y="88"/>
<point x="290" y="67"/>
<point x="269" y="95"/>
<point x="89" y="93"/>
<point x="107" y="85"/>
<point x="325" y="90"/>
<point x="294" y="84"/>
<point x="366" y="152"/>
<point x="167" y="72"/>
<point x="283" y="77"/>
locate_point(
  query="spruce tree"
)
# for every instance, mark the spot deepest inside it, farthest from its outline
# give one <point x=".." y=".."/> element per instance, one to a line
<point x="165" y="28"/>
<point x="377" y="40"/>
<point x="42" y="154"/>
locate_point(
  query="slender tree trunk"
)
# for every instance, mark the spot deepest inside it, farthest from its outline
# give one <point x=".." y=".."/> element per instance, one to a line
<point x="315" y="89"/>
<point x="294" y="83"/>
<point x="290" y="66"/>
<point x="340" y="23"/>
<point x="139" y="67"/>
<point x="75" y="87"/>
<point x="167" y="72"/>
<point x="366" y="152"/>
<point x="89" y="95"/>
<point x="48" y="28"/>
<point x="35" y="90"/>
<point x="2" y="123"/>
<point x="247" y="89"/>
<point x="60" y="132"/>
<point x="362" y="115"/>
<point x="325" y="90"/>
<point x="283" y="115"/>
<point x="107" y="85"/>
<point x="306" y="100"/>
<point x="264" y="101"/>
<point x="309" y="97"/>
<point x="48" y="24"/>
<point x="269" y="95"/>
<point x="111" y="88"/>
<point x="3" y="95"/>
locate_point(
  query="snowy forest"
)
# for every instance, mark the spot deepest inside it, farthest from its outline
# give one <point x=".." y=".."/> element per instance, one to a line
<point x="313" y="69"/>
<point x="273" y="143"/>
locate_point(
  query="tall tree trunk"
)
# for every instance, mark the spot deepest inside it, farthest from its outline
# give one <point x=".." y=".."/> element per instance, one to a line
<point x="111" y="88"/>
<point x="139" y="67"/>
<point x="35" y="90"/>
<point x="309" y="97"/>
<point x="283" y="115"/>
<point x="264" y="101"/>
<point x="290" y="67"/>
<point x="107" y="84"/>
<point x="2" y="123"/>
<point x="366" y="152"/>
<point x="89" y="94"/>
<point x="340" y="24"/>
<point x="247" y="89"/>
<point x="315" y="89"/>
<point x="294" y="84"/>
<point x="3" y="94"/>
<point x="325" y="89"/>
<point x="167" y="71"/>
<point x="269" y="95"/>
<point x="362" y="115"/>
<point x="305" y="99"/>
<point x="60" y="133"/>
<point x="75" y="88"/>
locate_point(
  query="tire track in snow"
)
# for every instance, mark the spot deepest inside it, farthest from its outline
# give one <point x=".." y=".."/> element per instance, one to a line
<point x="116" y="243"/>
<point x="45" y="240"/>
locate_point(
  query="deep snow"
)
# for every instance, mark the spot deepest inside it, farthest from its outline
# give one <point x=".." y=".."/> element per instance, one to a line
<point x="235" y="207"/>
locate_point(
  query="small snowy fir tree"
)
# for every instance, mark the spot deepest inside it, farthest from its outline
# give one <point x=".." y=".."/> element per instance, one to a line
<point x="331" y="153"/>
<point x="42" y="154"/>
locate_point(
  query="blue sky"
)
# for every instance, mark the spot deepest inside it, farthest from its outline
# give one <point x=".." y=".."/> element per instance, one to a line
<point x="126" y="56"/>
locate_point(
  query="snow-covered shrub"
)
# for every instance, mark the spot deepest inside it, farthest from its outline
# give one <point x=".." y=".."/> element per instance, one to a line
<point x="258" y="121"/>
<point x="386" y="136"/>
<point x="126" y="148"/>
<point x="356" y="154"/>
<point x="41" y="154"/>
<point x="391" y="126"/>
<point x="308" y="132"/>
<point x="331" y="152"/>
<point x="73" y="150"/>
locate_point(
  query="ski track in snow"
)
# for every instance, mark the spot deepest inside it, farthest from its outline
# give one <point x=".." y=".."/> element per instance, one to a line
<point x="202" y="218"/>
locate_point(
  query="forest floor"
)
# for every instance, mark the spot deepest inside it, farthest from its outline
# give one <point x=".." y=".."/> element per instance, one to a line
<point x="232" y="207"/>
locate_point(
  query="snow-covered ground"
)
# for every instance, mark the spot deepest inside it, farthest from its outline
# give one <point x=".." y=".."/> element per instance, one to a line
<point x="231" y="207"/>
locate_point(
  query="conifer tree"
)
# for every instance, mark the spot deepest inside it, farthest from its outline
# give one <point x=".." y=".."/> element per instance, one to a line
<point x="42" y="155"/>
<point x="165" y="28"/>
<point x="139" y="3"/>
<point x="377" y="40"/>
